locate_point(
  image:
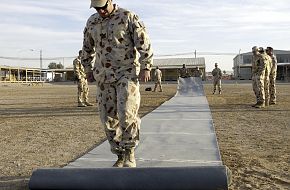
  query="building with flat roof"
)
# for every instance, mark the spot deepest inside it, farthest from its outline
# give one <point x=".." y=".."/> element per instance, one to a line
<point x="169" y="68"/>
<point x="243" y="65"/>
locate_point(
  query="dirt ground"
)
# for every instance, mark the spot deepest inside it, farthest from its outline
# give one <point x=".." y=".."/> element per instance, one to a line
<point x="40" y="126"/>
<point x="254" y="143"/>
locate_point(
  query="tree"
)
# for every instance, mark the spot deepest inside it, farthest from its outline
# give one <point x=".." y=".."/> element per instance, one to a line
<point x="54" y="65"/>
<point x="59" y="66"/>
<point x="224" y="72"/>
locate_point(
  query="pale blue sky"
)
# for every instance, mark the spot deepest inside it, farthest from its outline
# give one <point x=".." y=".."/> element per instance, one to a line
<point x="222" y="26"/>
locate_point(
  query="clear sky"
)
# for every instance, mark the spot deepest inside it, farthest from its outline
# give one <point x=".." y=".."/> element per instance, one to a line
<point x="175" y="27"/>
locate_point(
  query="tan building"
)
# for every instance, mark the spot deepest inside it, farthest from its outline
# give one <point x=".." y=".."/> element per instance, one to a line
<point x="170" y="66"/>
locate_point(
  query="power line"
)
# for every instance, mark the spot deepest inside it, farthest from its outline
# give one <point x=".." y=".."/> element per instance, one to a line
<point x="35" y="59"/>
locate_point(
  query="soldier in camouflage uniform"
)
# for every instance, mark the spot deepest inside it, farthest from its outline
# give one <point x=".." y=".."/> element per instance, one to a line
<point x="183" y="72"/>
<point x="113" y="37"/>
<point x="158" y="77"/>
<point x="217" y="79"/>
<point x="197" y="72"/>
<point x="268" y="61"/>
<point x="83" y="89"/>
<point x="259" y="70"/>
<point x="273" y="74"/>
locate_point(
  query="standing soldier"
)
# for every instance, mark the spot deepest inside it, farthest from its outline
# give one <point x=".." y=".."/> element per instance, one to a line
<point x="268" y="62"/>
<point x="183" y="72"/>
<point x="273" y="74"/>
<point x="197" y="73"/>
<point x="217" y="79"/>
<point x="259" y="65"/>
<point x="158" y="77"/>
<point x="83" y="89"/>
<point x="112" y="37"/>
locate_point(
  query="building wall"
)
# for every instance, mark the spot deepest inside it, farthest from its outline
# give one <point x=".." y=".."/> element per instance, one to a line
<point x="243" y="68"/>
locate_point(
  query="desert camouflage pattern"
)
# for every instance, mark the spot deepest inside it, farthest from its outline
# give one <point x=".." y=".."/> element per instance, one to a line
<point x="158" y="77"/>
<point x="183" y="72"/>
<point x="217" y="76"/>
<point x="260" y="77"/>
<point x="197" y="73"/>
<point x="110" y="49"/>
<point x="268" y="62"/>
<point x="83" y="89"/>
<point x="119" y="103"/>
<point x="115" y="42"/>
<point x="272" y="78"/>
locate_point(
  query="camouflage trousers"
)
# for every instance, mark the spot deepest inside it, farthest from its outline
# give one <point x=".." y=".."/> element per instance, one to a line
<point x="260" y="84"/>
<point x="158" y="83"/>
<point x="83" y="90"/>
<point x="272" y="87"/>
<point x="119" y="103"/>
<point x="217" y="82"/>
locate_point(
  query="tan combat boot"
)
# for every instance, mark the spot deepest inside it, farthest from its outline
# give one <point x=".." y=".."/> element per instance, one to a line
<point x="120" y="162"/>
<point x="88" y="104"/>
<point x="81" y="104"/>
<point x="130" y="161"/>
<point x="260" y="105"/>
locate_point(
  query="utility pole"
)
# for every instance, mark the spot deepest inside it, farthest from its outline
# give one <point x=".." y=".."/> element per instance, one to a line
<point x="40" y="58"/>
<point x="239" y="63"/>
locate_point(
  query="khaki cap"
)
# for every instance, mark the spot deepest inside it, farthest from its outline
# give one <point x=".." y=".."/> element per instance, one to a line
<point x="98" y="3"/>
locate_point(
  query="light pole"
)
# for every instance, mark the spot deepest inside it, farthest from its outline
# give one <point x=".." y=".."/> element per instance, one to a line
<point x="40" y="57"/>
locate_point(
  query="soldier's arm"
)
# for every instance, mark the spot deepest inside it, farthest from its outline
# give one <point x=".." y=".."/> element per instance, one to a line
<point x="142" y="42"/>
<point x="261" y="65"/>
<point x="77" y="69"/>
<point x="88" y="51"/>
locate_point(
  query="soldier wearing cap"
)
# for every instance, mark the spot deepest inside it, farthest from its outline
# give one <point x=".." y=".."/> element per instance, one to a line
<point x="259" y="66"/>
<point x="273" y="74"/>
<point x="158" y="77"/>
<point x="114" y="38"/>
<point x="83" y="88"/>
<point x="217" y="79"/>
<point x="183" y="72"/>
<point x="197" y="72"/>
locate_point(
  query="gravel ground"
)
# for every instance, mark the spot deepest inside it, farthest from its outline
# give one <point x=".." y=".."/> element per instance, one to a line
<point x="254" y="143"/>
<point x="40" y="126"/>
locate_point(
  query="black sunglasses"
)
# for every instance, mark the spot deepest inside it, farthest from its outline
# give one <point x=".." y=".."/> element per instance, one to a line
<point x="102" y="8"/>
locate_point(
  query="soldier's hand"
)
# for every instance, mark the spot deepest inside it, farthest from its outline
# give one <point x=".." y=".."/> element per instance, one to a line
<point x="145" y="75"/>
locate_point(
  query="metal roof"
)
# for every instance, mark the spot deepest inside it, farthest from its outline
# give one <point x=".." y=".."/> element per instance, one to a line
<point x="178" y="62"/>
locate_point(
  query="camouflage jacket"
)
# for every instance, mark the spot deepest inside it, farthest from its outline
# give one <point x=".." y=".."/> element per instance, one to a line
<point x="260" y="64"/>
<point x="158" y="75"/>
<point x="216" y="73"/>
<point x="79" y="69"/>
<point x="113" y="43"/>
<point x="183" y="72"/>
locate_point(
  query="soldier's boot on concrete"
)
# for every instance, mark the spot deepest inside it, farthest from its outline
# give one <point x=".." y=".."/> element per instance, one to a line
<point x="220" y="92"/>
<point x="88" y="104"/>
<point x="120" y="162"/>
<point x="213" y="92"/>
<point x="260" y="105"/>
<point x="130" y="161"/>
<point x="272" y="103"/>
<point x="81" y="104"/>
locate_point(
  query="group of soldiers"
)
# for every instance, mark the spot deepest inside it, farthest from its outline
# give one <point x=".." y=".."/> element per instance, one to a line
<point x="185" y="73"/>
<point x="264" y="71"/>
